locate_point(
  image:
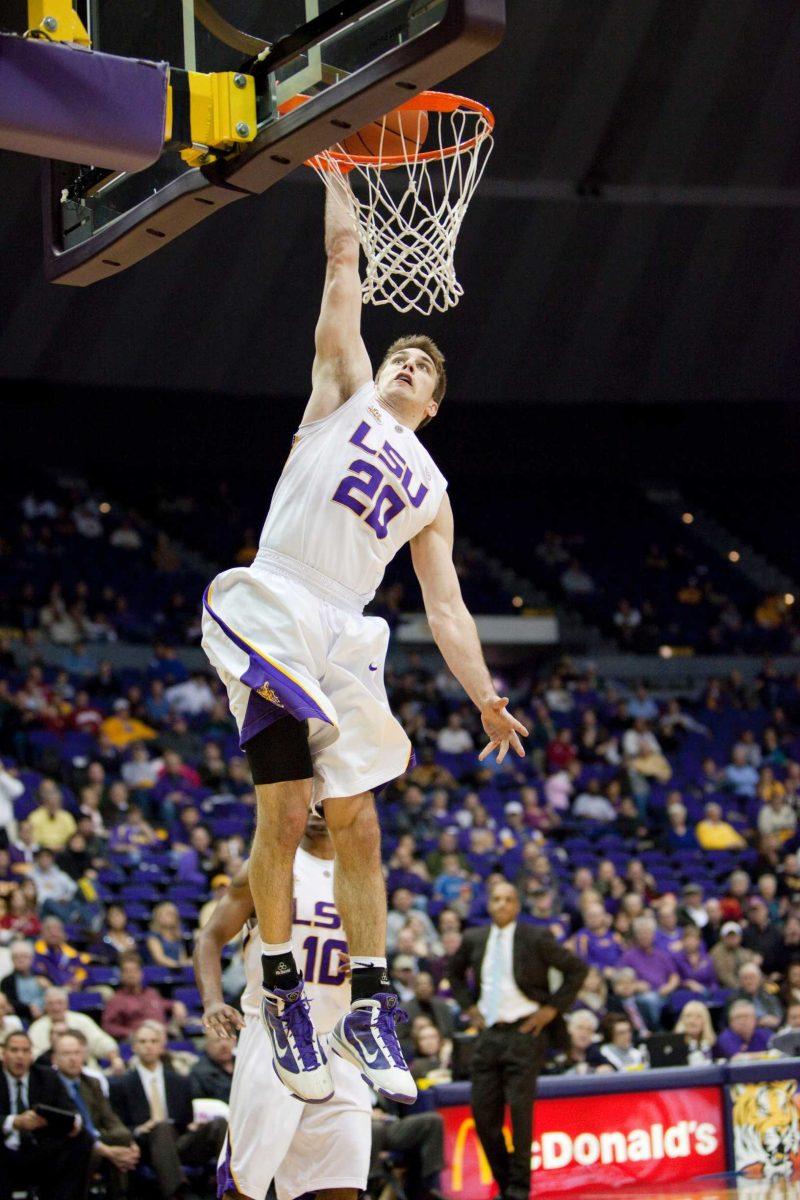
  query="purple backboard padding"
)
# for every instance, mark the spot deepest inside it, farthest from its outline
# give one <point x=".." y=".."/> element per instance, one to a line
<point x="58" y="101"/>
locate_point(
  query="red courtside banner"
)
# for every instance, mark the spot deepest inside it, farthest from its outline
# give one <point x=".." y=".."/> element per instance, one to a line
<point x="608" y="1141"/>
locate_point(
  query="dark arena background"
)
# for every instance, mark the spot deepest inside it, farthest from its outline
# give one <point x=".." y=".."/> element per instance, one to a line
<point x="620" y="437"/>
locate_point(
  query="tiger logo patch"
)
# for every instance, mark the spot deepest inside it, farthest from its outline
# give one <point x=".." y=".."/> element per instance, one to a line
<point x="766" y="1127"/>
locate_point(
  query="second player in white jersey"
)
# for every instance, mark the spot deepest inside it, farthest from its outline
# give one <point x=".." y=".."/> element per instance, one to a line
<point x="271" y="1135"/>
<point x="318" y="942"/>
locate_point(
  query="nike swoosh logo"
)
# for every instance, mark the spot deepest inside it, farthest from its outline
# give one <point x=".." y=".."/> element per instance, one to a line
<point x="373" y="667"/>
<point x="369" y="1058"/>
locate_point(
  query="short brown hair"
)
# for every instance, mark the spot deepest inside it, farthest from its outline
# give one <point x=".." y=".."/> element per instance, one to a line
<point x="78" y="1034"/>
<point x="420" y="341"/>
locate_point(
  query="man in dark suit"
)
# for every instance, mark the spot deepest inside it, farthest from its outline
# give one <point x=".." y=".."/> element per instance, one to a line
<point x="114" y="1151"/>
<point x="155" y="1104"/>
<point x="418" y="1138"/>
<point x="509" y="1001"/>
<point x="211" y="1076"/>
<point x="426" y="1004"/>
<point x="32" y="1153"/>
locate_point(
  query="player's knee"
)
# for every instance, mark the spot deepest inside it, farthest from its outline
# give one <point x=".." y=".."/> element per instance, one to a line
<point x="282" y="817"/>
<point x="353" y="825"/>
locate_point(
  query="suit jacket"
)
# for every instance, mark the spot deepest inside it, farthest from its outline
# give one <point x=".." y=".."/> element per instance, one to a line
<point x="8" y="986"/>
<point x="210" y="1081"/>
<point x="45" y="1086"/>
<point x="534" y="952"/>
<point x="113" y="1131"/>
<point x="130" y="1103"/>
<point x="442" y="1016"/>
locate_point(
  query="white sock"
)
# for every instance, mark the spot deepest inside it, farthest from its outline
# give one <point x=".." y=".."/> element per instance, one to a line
<point x="276" y="947"/>
<point x="366" y="960"/>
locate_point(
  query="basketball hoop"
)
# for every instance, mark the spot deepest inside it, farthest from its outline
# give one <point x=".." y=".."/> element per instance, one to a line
<point x="408" y="207"/>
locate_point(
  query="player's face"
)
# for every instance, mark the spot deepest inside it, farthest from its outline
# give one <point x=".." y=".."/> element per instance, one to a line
<point x="408" y="379"/>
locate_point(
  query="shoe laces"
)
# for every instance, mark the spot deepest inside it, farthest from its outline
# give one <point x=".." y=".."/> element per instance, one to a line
<point x="388" y="1016"/>
<point x="297" y="1020"/>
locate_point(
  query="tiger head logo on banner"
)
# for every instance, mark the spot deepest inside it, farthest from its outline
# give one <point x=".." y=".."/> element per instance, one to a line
<point x="766" y="1128"/>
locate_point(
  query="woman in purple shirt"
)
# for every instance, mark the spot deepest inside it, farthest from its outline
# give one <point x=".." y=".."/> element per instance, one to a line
<point x="693" y="963"/>
<point x="696" y="970"/>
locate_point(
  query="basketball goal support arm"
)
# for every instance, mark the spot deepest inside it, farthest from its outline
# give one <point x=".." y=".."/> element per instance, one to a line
<point x="51" y="81"/>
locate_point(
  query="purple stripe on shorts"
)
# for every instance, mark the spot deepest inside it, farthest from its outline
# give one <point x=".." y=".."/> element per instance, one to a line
<point x="293" y="698"/>
<point x="225" y="1180"/>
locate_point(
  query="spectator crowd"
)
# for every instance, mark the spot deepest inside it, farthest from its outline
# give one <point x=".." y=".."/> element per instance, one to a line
<point x="655" y="835"/>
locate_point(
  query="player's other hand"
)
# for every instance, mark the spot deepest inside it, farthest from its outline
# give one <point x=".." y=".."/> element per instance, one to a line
<point x="222" y="1019"/>
<point x="502" y="729"/>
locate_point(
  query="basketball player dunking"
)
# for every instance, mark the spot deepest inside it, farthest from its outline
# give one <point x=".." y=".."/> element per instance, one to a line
<point x="304" y="667"/>
<point x="303" y="1148"/>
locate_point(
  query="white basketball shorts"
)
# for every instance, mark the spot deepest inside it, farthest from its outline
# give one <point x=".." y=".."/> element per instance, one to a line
<point x="284" y="642"/>
<point x="303" y="1147"/>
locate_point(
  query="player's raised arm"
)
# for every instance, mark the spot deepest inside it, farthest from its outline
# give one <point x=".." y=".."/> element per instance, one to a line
<point x="456" y="634"/>
<point x="341" y="364"/>
<point x="235" y="907"/>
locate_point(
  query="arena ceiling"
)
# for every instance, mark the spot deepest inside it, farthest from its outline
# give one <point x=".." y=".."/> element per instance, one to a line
<point x="637" y="236"/>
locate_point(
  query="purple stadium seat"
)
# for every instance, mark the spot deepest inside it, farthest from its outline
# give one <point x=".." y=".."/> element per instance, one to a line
<point x="102" y="975"/>
<point x="225" y="827"/>
<point x="138" y="912"/>
<point x="190" y="997"/>
<point x="158" y="976"/>
<point x="86" y="1001"/>
<point x="144" y="893"/>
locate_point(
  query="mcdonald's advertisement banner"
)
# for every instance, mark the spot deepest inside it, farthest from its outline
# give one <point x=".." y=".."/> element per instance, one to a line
<point x="637" y="1137"/>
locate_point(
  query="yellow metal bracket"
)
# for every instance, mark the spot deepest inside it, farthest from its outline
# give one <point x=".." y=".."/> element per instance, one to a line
<point x="56" y="20"/>
<point x="222" y="113"/>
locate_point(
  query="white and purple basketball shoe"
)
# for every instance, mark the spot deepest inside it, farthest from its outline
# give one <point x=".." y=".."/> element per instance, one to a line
<point x="299" y="1059"/>
<point x="366" y="1037"/>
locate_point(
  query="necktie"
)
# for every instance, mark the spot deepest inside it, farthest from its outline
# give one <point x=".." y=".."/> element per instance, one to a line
<point x="156" y="1103"/>
<point x="20" y="1100"/>
<point x="83" y="1108"/>
<point x="494" y="980"/>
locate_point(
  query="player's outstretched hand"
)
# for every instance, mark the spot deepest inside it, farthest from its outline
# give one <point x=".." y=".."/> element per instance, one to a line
<point x="222" y="1019"/>
<point x="502" y="729"/>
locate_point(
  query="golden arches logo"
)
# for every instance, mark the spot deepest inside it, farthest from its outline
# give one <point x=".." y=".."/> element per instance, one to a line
<point x="466" y="1127"/>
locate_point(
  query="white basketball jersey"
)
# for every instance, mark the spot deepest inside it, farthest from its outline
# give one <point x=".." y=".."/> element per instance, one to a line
<point x="317" y="940"/>
<point x="356" y="487"/>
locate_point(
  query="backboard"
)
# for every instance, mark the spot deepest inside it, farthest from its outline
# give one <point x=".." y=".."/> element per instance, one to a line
<point x="353" y="60"/>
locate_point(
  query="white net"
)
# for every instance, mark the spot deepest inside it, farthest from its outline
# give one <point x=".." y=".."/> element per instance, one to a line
<point x="409" y="206"/>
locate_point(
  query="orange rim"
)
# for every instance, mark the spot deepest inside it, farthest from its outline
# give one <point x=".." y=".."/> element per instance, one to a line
<point x="442" y="102"/>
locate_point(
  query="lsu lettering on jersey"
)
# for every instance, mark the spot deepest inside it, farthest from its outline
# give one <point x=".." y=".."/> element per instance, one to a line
<point x="318" y="943"/>
<point x="356" y="487"/>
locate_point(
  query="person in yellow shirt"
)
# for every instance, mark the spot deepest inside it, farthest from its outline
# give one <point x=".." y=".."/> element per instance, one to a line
<point x="715" y="834"/>
<point x="52" y="825"/>
<point x="122" y="728"/>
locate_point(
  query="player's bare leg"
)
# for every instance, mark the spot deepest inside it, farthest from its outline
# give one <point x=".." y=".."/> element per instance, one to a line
<point x="282" y="813"/>
<point x="299" y="1058"/>
<point x="359" y="888"/>
<point x="366" y="1036"/>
